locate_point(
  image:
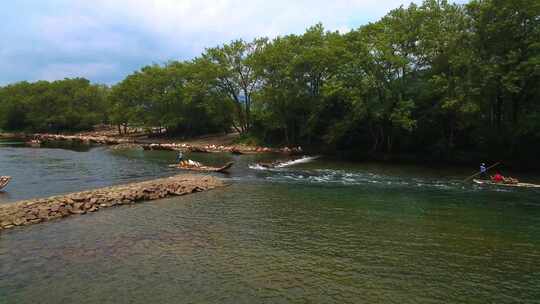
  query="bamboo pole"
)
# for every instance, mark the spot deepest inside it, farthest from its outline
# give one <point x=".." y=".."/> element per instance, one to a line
<point x="490" y="167"/>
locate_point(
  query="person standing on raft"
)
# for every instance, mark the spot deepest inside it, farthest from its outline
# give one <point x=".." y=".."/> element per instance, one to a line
<point x="179" y="157"/>
<point x="483" y="171"/>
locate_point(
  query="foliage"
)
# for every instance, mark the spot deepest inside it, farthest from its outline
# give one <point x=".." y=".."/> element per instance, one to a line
<point x="176" y="98"/>
<point x="436" y="78"/>
<point x="65" y="105"/>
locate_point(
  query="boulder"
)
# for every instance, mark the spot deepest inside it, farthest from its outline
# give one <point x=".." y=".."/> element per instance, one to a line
<point x="5" y="223"/>
<point x="18" y="221"/>
<point x="65" y="211"/>
<point x="43" y="214"/>
<point x="78" y="198"/>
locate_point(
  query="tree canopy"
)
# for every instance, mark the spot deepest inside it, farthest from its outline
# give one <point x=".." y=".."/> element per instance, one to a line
<point x="437" y="78"/>
<point x="64" y="105"/>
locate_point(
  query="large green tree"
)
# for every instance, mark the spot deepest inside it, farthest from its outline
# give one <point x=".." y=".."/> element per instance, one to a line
<point x="231" y="68"/>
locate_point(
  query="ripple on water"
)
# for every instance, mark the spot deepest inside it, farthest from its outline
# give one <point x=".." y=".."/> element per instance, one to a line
<point x="280" y="243"/>
<point x="285" y="236"/>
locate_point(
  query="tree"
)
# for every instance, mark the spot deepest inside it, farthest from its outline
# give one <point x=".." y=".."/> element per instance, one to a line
<point x="232" y="71"/>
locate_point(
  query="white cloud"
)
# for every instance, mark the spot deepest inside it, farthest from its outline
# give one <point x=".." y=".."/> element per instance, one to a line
<point x="55" y="71"/>
<point x="236" y="18"/>
<point x="67" y="38"/>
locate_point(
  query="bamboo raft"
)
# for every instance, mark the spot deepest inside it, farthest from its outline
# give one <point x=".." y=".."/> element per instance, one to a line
<point x="519" y="185"/>
<point x="223" y="169"/>
<point x="33" y="144"/>
<point x="4" y="180"/>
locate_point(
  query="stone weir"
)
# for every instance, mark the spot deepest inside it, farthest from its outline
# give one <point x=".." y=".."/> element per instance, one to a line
<point x="132" y="142"/>
<point x="213" y="148"/>
<point x="102" y="140"/>
<point x="41" y="210"/>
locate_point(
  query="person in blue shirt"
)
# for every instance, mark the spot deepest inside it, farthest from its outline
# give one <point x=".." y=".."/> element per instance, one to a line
<point x="483" y="171"/>
<point x="179" y="156"/>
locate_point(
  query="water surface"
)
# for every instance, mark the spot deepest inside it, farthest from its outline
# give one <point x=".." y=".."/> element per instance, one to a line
<point x="318" y="232"/>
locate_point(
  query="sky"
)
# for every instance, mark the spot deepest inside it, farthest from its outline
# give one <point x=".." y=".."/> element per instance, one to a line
<point x="105" y="40"/>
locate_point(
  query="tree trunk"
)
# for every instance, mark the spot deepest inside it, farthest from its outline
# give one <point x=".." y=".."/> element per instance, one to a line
<point x="248" y="110"/>
<point x="375" y="139"/>
<point x="499" y="113"/>
<point x="389" y="143"/>
<point x="515" y="112"/>
<point x="286" y="134"/>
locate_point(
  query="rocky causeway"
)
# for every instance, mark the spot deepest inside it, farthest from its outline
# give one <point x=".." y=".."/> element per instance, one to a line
<point x="132" y="142"/>
<point x="35" y="211"/>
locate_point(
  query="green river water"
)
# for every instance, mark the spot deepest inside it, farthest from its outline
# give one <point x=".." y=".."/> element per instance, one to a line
<point x="318" y="231"/>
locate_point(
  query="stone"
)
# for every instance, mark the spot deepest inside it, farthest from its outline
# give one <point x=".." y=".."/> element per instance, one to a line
<point x="78" y="198"/>
<point x="55" y="215"/>
<point x="31" y="203"/>
<point x="30" y="216"/>
<point x="18" y="222"/>
<point x="43" y="214"/>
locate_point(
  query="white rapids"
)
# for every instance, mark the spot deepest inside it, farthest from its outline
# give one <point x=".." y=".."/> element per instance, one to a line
<point x="302" y="160"/>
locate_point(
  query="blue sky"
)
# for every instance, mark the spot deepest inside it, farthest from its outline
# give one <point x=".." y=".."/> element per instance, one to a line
<point x="105" y="40"/>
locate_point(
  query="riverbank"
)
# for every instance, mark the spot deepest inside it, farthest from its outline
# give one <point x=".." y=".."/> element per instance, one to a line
<point x="208" y="144"/>
<point x="85" y="139"/>
<point x="15" y="135"/>
<point x="227" y="143"/>
<point x="35" y="211"/>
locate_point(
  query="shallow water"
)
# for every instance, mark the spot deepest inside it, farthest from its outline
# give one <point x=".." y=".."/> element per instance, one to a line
<point x="318" y="232"/>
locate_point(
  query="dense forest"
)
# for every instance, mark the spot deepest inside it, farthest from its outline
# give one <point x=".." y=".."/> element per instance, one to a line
<point x="441" y="80"/>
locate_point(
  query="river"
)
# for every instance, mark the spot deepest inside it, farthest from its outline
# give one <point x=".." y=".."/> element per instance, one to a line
<point x="319" y="231"/>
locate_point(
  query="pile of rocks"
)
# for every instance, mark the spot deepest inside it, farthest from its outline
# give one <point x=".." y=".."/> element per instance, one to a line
<point x="190" y="148"/>
<point x="214" y="148"/>
<point x="102" y="140"/>
<point x="40" y="210"/>
<point x="130" y="142"/>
